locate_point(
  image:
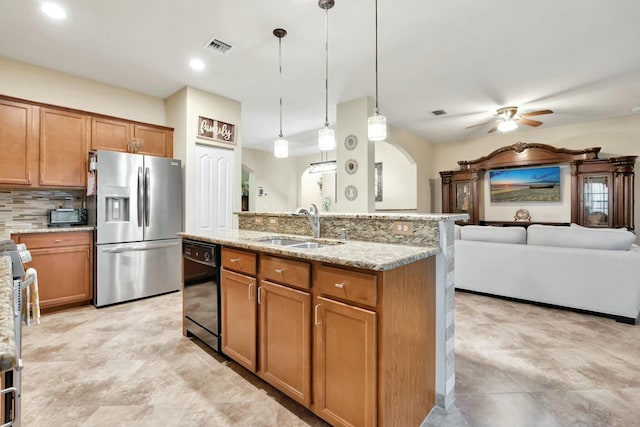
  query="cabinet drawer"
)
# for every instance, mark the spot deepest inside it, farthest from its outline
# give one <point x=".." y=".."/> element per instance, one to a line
<point x="238" y="260"/>
<point x="286" y="271"/>
<point x="49" y="240"/>
<point x="348" y="285"/>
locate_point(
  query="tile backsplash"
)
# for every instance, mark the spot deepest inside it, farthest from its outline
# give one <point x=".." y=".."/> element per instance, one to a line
<point x="24" y="209"/>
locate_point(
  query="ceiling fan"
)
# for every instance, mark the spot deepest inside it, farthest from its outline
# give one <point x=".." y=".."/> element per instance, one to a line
<point x="508" y="119"/>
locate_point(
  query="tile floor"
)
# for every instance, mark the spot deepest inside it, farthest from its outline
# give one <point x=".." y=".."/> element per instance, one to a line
<point x="516" y="365"/>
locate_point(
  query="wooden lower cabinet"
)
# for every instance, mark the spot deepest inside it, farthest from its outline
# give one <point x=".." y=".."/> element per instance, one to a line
<point x="64" y="264"/>
<point x="238" y="292"/>
<point x="285" y="340"/>
<point x="345" y="360"/>
<point x="362" y="355"/>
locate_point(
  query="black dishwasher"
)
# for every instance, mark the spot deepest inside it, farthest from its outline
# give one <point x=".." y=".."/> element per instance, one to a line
<point x="201" y="269"/>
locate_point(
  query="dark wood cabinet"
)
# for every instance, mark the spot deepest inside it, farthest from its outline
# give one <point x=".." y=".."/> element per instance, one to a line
<point x="602" y="193"/>
<point x="602" y="190"/>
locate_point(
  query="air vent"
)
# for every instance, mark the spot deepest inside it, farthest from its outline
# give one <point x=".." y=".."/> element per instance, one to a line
<point x="439" y="112"/>
<point x="219" y="46"/>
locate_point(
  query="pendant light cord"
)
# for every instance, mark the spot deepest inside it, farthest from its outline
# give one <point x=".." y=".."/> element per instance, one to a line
<point x="326" y="70"/>
<point x="280" y="72"/>
<point x="377" y="110"/>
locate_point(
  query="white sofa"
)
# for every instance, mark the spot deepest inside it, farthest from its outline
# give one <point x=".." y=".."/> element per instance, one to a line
<point x="597" y="270"/>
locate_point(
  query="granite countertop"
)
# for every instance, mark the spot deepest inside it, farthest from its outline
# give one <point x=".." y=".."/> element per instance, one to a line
<point x="52" y="229"/>
<point x="7" y="320"/>
<point x="352" y="253"/>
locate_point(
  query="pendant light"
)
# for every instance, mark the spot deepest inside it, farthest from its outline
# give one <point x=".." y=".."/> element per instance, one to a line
<point x="377" y="124"/>
<point x="280" y="145"/>
<point x="326" y="135"/>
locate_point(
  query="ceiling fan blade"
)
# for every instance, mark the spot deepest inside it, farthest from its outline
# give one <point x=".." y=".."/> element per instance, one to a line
<point x="493" y="129"/>
<point x="529" y="122"/>
<point x="536" y="113"/>
<point x="480" y="124"/>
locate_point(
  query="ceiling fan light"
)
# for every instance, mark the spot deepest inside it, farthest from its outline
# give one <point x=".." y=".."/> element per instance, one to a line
<point x="281" y="148"/>
<point x="377" y="127"/>
<point x="326" y="139"/>
<point x="507" y="126"/>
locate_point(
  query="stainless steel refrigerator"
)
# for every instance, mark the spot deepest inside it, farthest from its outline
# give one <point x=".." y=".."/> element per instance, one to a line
<point x="137" y="212"/>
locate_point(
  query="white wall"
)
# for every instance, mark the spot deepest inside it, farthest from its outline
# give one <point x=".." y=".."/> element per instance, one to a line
<point x="399" y="178"/>
<point x="617" y="137"/>
<point x="421" y="151"/>
<point x="279" y="179"/>
<point x="183" y="109"/>
<point x="21" y="80"/>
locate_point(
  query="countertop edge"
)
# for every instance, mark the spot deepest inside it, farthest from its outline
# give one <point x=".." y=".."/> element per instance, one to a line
<point x="340" y="254"/>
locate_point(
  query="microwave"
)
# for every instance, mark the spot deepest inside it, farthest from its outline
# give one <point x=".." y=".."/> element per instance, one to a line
<point x="67" y="217"/>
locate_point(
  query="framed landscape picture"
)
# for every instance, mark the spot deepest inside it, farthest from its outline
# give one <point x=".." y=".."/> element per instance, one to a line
<point x="541" y="184"/>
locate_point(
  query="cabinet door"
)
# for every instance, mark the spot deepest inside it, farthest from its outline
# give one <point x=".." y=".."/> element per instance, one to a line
<point x="596" y="196"/>
<point x="18" y="143"/>
<point x="345" y="363"/>
<point x="156" y="142"/>
<point x="238" y="308"/>
<point x="109" y="134"/>
<point x="285" y="342"/>
<point x="63" y="148"/>
<point x="64" y="275"/>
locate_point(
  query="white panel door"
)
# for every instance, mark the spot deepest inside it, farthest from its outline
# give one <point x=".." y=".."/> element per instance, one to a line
<point x="214" y="182"/>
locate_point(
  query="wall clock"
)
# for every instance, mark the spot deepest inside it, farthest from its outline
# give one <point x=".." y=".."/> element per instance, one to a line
<point x="351" y="142"/>
<point x="351" y="192"/>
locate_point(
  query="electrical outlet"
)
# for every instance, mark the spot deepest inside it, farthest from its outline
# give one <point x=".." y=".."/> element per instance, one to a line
<point x="272" y="221"/>
<point x="402" y="227"/>
<point x="257" y="220"/>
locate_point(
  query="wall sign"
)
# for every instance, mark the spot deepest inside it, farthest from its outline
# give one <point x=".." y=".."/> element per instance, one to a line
<point x="215" y="129"/>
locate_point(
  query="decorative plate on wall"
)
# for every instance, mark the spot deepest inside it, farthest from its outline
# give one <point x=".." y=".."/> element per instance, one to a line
<point x="351" y="192"/>
<point x="351" y="142"/>
<point x="351" y="166"/>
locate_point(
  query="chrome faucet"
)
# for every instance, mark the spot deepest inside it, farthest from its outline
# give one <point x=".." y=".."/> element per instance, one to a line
<point x="313" y="215"/>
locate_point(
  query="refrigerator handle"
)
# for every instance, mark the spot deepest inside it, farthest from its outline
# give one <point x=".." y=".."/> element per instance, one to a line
<point x="140" y="196"/>
<point x="147" y="197"/>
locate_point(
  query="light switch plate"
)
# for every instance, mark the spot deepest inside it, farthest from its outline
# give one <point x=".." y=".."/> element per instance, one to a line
<point x="272" y="221"/>
<point x="257" y="220"/>
<point x="402" y="227"/>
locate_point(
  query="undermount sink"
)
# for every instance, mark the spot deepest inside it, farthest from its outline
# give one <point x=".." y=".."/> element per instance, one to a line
<point x="293" y="243"/>
<point x="280" y="242"/>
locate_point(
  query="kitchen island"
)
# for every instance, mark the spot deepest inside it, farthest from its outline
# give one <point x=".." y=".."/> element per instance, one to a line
<point x="347" y="328"/>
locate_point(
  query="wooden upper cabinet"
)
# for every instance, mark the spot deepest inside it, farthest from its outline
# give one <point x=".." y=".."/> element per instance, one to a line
<point x="63" y="148"/>
<point x="156" y="141"/>
<point x="18" y="143"/>
<point x="110" y="134"/>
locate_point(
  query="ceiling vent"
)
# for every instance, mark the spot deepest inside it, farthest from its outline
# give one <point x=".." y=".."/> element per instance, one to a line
<point x="439" y="113"/>
<point x="219" y="46"/>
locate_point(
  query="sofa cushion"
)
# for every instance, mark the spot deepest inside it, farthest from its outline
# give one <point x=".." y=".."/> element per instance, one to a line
<point x="580" y="237"/>
<point x="517" y="235"/>
<point x="456" y="231"/>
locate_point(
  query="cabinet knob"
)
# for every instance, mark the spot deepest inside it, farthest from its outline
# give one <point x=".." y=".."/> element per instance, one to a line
<point x="280" y="270"/>
<point x="57" y="241"/>
<point x="234" y="260"/>
<point x="339" y="285"/>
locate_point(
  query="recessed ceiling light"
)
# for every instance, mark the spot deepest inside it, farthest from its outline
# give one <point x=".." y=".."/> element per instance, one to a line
<point x="197" y="64"/>
<point x="53" y="10"/>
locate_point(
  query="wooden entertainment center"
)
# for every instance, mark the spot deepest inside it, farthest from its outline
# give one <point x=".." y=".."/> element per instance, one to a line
<point x="601" y="189"/>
